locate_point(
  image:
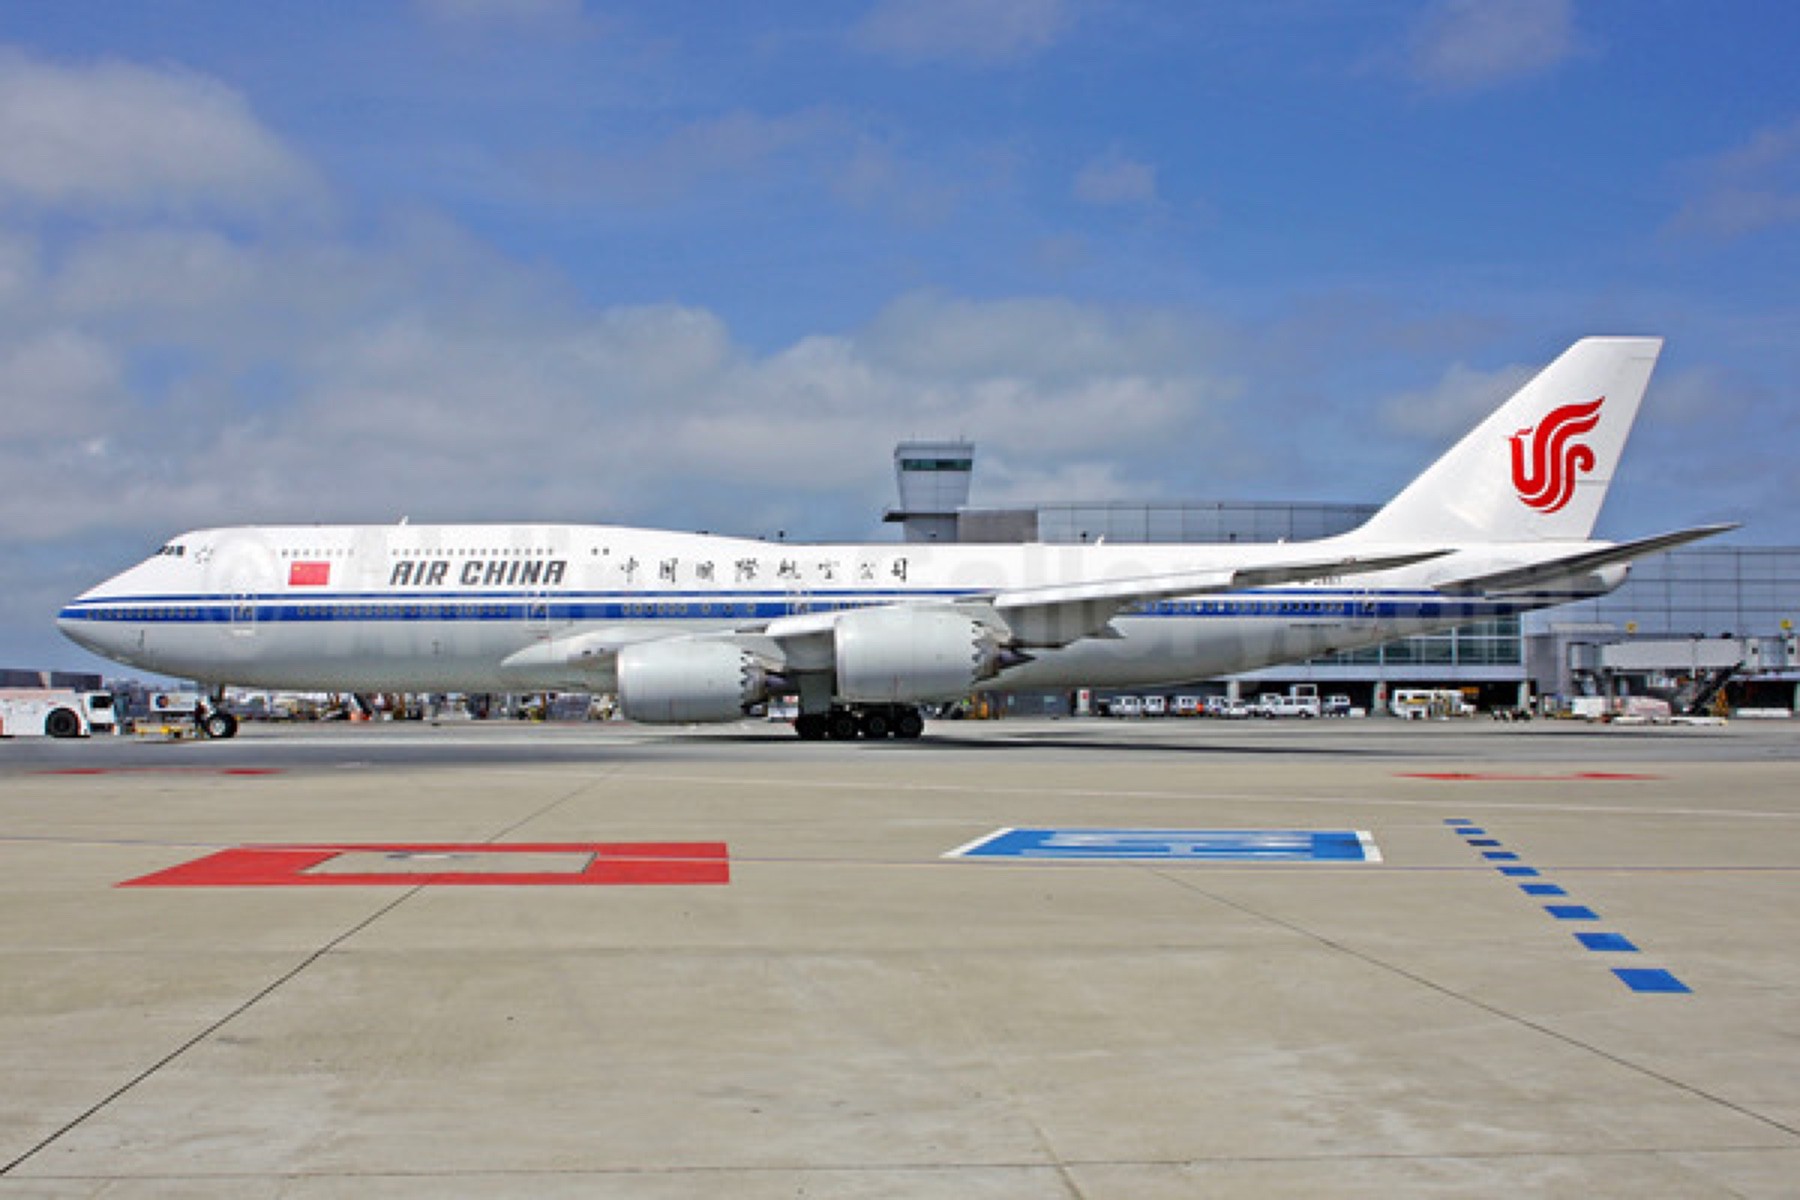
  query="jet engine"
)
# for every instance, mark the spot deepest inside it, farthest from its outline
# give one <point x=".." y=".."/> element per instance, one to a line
<point x="673" y="682"/>
<point x="900" y="655"/>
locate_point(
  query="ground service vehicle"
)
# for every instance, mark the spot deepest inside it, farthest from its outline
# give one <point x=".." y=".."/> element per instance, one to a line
<point x="55" y="713"/>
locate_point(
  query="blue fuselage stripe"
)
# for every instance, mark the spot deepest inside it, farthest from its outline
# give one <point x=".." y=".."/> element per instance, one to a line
<point x="288" y="608"/>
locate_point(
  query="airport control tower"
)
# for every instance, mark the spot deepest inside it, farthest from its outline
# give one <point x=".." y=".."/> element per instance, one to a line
<point x="934" y="483"/>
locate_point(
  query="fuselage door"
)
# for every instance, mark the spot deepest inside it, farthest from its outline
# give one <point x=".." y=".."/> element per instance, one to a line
<point x="243" y="614"/>
<point x="537" y="613"/>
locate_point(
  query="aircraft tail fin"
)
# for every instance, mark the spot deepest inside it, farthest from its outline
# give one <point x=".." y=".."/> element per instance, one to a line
<point x="1538" y="468"/>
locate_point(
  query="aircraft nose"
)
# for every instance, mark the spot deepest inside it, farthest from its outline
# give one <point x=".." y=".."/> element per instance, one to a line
<point x="79" y="627"/>
<point x="80" y="623"/>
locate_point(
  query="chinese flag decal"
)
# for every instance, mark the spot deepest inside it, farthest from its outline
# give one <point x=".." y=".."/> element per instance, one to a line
<point x="309" y="574"/>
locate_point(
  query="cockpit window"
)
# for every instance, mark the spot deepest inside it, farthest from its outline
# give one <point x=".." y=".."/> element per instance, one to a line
<point x="172" y="550"/>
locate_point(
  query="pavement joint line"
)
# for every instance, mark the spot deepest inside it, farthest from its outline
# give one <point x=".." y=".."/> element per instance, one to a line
<point x="916" y="1168"/>
<point x="174" y="1055"/>
<point x="606" y="775"/>
<point x="1040" y="793"/>
<point x="1185" y="882"/>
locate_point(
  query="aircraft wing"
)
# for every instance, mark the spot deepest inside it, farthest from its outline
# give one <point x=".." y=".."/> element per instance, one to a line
<point x="1061" y="613"/>
<point x="591" y="651"/>
<point x="1038" y="605"/>
<point x="1196" y="583"/>
<point x="1053" y="615"/>
<point x="1517" y="579"/>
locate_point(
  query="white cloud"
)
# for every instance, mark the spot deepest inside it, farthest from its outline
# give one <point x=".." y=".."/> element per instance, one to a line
<point x="1454" y="405"/>
<point x="1115" y="180"/>
<point x="1748" y="188"/>
<point x="969" y="32"/>
<point x="879" y="176"/>
<point x="1469" y="45"/>
<point x="61" y="384"/>
<point x="115" y="137"/>
<point x="248" y="384"/>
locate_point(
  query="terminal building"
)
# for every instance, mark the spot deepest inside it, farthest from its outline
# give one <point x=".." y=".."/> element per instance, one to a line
<point x="1689" y="620"/>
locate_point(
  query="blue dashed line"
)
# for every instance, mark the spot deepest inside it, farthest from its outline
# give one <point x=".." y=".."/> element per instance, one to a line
<point x="1638" y="979"/>
<point x="1571" y="912"/>
<point x="1650" y="980"/>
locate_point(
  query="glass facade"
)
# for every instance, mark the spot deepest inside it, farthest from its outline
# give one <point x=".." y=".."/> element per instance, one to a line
<point x="1744" y="591"/>
<point x="1485" y="644"/>
<point x="1198" y="521"/>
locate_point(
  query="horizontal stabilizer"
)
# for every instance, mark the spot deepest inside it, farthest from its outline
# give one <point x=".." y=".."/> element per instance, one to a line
<point x="1519" y="579"/>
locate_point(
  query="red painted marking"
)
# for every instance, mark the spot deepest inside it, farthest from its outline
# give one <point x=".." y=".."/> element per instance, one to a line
<point x="1499" y="777"/>
<point x="309" y="574"/>
<point x="614" y="864"/>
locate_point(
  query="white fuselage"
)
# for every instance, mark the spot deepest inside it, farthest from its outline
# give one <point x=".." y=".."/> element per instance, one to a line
<point x="443" y="608"/>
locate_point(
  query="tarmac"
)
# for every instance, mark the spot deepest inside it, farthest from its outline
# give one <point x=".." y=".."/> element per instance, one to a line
<point x="547" y="961"/>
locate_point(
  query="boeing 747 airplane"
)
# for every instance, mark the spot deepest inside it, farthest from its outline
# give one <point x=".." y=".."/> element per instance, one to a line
<point x="694" y="628"/>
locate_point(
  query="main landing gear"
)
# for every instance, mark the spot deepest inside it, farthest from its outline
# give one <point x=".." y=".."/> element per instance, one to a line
<point x="870" y="721"/>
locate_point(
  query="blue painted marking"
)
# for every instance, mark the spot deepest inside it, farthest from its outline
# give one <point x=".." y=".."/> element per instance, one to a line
<point x="1571" y="912"/>
<point x="1637" y="979"/>
<point x="1646" y="979"/>
<point x="1176" y="845"/>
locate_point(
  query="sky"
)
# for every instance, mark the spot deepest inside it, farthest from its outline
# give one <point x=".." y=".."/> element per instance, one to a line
<point x="699" y="264"/>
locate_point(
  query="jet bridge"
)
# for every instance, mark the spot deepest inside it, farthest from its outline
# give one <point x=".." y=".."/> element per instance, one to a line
<point x="1688" y="672"/>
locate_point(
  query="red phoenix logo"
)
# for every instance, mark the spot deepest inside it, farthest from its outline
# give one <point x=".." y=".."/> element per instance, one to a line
<point x="1546" y="460"/>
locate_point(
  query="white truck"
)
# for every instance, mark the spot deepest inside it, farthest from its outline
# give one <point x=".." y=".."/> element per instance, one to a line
<point x="55" y="712"/>
<point x="1271" y="704"/>
<point x="1430" y="704"/>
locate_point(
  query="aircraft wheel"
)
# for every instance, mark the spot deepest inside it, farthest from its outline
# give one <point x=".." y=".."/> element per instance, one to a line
<point x="875" y="724"/>
<point x="841" y="725"/>
<point x="811" y="726"/>
<point x="909" y="724"/>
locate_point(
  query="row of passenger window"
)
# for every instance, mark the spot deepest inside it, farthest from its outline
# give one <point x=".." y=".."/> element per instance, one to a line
<point x="1244" y="608"/>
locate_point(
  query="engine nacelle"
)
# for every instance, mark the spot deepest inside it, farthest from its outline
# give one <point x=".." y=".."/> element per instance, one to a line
<point x="903" y="655"/>
<point x="672" y="682"/>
